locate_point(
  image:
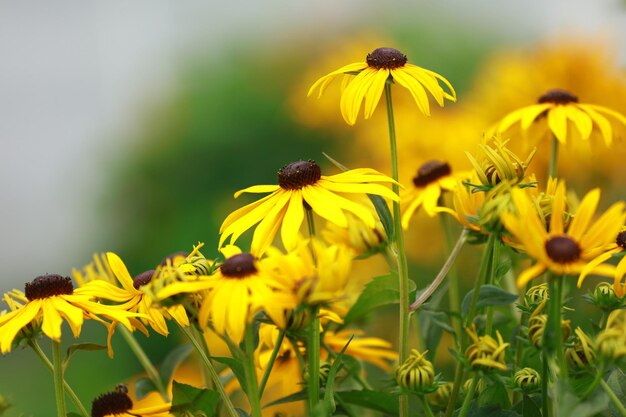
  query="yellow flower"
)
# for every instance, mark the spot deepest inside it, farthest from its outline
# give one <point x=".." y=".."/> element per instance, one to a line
<point x="467" y="205"/>
<point x="117" y="403"/>
<point x="111" y="270"/>
<point x="561" y="250"/>
<point x="357" y="236"/>
<point x="485" y="352"/>
<point x="52" y="298"/>
<point x="583" y="352"/>
<point x="416" y="373"/>
<point x="381" y="65"/>
<point x="618" y="246"/>
<point x="432" y="178"/>
<point x="498" y="164"/>
<point x="369" y="349"/>
<point x="299" y="183"/>
<point x="559" y="112"/>
<point x="611" y="342"/>
<point x="235" y="293"/>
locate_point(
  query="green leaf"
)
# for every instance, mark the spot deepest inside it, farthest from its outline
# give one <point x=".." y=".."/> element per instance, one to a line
<point x="144" y="386"/>
<point x="501" y="270"/>
<point x="382" y="209"/>
<point x="329" y="405"/>
<point x="73" y="415"/>
<point x="187" y="398"/>
<point x="494" y="393"/>
<point x="172" y="361"/>
<point x="236" y="366"/>
<point x="491" y="411"/>
<point x="374" y="400"/>
<point x="381" y="291"/>
<point x="488" y="295"/>
<point x="568" y="404"/>
<point x="71" y="349"/>
<point x="530" y="408"/>
<point x="296" y="396"/>
<point x="241" y="412"/>
<point x="617" y="382"/>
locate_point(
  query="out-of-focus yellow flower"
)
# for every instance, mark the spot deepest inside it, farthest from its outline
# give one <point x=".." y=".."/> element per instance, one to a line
<point x="117" y="403"/>
<point x="441" y="397"/>
<point x="357" y="235"/>
<point x="432" y="179"/>
<point x="611" y="342"/>
<point x="467" y="205"/>
<point x="605" y="298"/>
<point x="497" y="164"/>
<point x="558" y="250"/>
<point x="241" y="287"/>
<point x="302" y="183"/>
<point x="582" y="353"/>
<point x="536" y="295"/>
<point x="485" y="352"/>
<point x="537" y="325"/>
<point x="618" y="246"/>
<point x="416" y="373"/>
<point x="381" y="66"/>
<point x="369" y="349"/>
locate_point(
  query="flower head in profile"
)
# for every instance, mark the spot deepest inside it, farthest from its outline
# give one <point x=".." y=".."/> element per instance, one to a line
<point x="231" y="297"/>
<point x="431" y="180"/>
<point x="618" y="246"/>
<point x="117" y="403"/>
<point x="560" y="249"/>
<point x="365" y="81"/>
<point x="559" y="113"/>
<point x="301" y="183"/>
<point x="130" y="292"/>
<point x="50" y="299"/>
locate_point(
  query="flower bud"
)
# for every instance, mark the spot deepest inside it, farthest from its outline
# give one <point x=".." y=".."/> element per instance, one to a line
<point x="536" y="295"/>
<point x="416" y="373"/>
<point x="611" y="342"/>
<point x="604" y="297"/>
<point x="441" y="396"/>
<point x="582" y="353"/>
<point x="485" y="352"/>
<point x="527" y="379"/>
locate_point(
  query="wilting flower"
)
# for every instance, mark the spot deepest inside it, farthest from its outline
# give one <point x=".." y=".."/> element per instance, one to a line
<point x="485" y="352"/>
<point x="432" y="179"/>
<point x="582" y="353"/>
<point x="559" y="250"/>
<point x="117" y="403"/>
<point x="131" y="294"/>
<point x="416" y="373"/>
<point x="618" y="246"/>
<point x="51" y="298"/>
<point x="381" y="66"/>
<point x="301" y="183"/>
<point x="559" y="112"/>
<point x="241" y="287"/>
<point x="527" y="379"/>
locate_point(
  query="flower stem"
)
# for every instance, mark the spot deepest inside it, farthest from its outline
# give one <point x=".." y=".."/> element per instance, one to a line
<point x="426" y="406"/>
<point x="57" y="372"/>
<point x="555" y="291"/>
<point x="313" y="356"/>
<point x="495" y="259"/>
<point x="311" y="223"/>
<point x="270" y="364"/>
<point x="212" y="372"/>
<point x="70" y="392"/>
<point x="599" y="375"/>
<point x="251" y="381"/>
<point x="554" y="157"/>
<point x="545" y="404"/>
<point x="143" y="359"/>
<point x="454" y="300"/>
<point x="485" y="268"/>
<point x="468" y="397"/>
<point x="616" y="402"/>
<point x="399" y="251"/>
<point x="458" y="380"/>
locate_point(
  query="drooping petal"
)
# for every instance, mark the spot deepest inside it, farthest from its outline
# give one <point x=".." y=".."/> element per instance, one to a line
<point x="581" y="119"/>
<point x="246" y="217"/>
<point x="320" y="206"/>
<point x="16" y="321"/>
<point x="258" y="189"/>
<point x="294" y="216"/>
<point x="374" y="93"/>
<point x="530" y="113"/>
<point x="73" y="315"/>
<point x="557" y="121"/>
<point x="376" y="189"/>
<point x="558" y="211"/>
<point x="593" y="263"/>
<point x="266" y="230"/>
<point x="323" y="82"/>
<point x="605" y="228"/>
<point x="353" y="95"/>
<point x="52" y="320"/>
<point x="120" y="271"/>
<point x="528" y="274"/>
<point x="186" y="287"/>
<point x="415" y="88"/>
<point x="604" y="126"/>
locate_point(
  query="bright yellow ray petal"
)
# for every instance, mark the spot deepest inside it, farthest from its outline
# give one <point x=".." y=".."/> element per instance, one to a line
<point x="359" y="175"/>
<point x="104" y="290"/>
<point x="584" y="214"/>
<point x="18" y="319"/>
<point x="242" y="211"/>
<point x="186" y="287"/>
<point x="52" y="320"/>
<point x="120" y="271"/>
<point x="237" y="315"/>
<point x="230" y="250"/>
<point x="374" y="93"/>
<point x="620" y="271"/>
<point x="415" y="88"/>
<point x="258" y="189"/>
<point x="605" y="229"/>
<point x="601" y="109"/>
<point x="358" y="210"/>
<point x="219" y="302"/>
<point x="408" y="213"/>
<point x="179" y="314"/>
<point x="452" y="95"/>
<point x="594" y="263"/>
<point x="604" y="126"/>
<point x="323" y="82"/>
<point x="558" y="210"/>
<point x="581" y="119"/>
<point x="359" y="189"/>
<point x="431" y="197"/>
<point x="248" y="217"/>
<point x="530" y="113"/>
<point x="353" y="95"/>
<point x="266" y="230"/>
<point x="427" y="80"/>
<point x="510" y="119"/>
<point x="331" y="213"/>
<point x="73" y="315"/>
<point x="294" y="216"/>
<point x="527" y="275"/>
<point x="557" y="121"/>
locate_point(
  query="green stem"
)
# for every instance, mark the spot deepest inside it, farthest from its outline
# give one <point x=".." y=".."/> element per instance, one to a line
<point x="545" y="378"/>
<point x="143" y="359"/>
<point x="426" y="406"/>
<point x="355" y="375"/>
<point x="313" y="356"/>
<point x="485" y="267"/>
<point x="596" y="380"/>
<point x="68" y="390"/>
<point x="57" y="372"/>
<point x="199" y="336"/>
<point x="270" y="364"/>
<point x="468" y="397"/>
<point x="311" y="223"/>
<point x="454" y="300"/>
<point x="616" y="402"/>
<point x="399" y="250"/>
<point x="495" y="259"/>
<point x="212" y="372"/>
<point x="251" y="381"/>
<point x="555" y="283"/>
<point x="458" y="380"/>
<point x="554" y="157"/>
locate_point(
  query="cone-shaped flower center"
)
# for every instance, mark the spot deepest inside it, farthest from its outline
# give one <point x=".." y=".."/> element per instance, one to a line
<point x="47" y="286"/>
<point x="621" y="239"/>
<point x="238" y="266"/>
<point x="430" y="172"/>
<point x="386" y="58"/>
<point x="558" y="96"/>
<point x="111" y="404"/>
<point x="563" y="249"/>
<point x="299" y="174"/>
<point x="143" y="279"/>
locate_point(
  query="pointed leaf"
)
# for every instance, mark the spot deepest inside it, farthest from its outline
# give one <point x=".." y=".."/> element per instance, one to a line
<point x="296" y="396"/>
<point x="189" y="399"/>
<point x="71" y="349"/>
<point x="488" y="295"/>
<point x="374" y="400"/>
<point x="172" y="361"/>
<point x="382" y="209"/>
<point x="143" y="387"/>
<point x="236" y="366"/>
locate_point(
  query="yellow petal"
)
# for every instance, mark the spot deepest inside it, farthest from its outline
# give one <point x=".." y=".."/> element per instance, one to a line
<point x="603" y="124"/>
<point x="52" y="320"/>
<point x="323" y="82"/>
<point x="376" y="189"/>
<point x="353" y="95"/>
<point x="527" y="275"/>
<point x="557" y="121"/>
<point x="408" y="213"/>
<point x="558" y="210"/>
<point x="620" y="271"/>
<point x="584" y="214"/>
<point x="427" y="80"/>
<point x="244" y="218"/>
<point x="374" y="92"/>
<point x="179" y="314"/>
<point x="258" y="189"/>
<point x="605" y="229"/>
<point x="320" y="206"/>
<point x="120" y="271"/>
<point x="186" y="287"/>
<point x="593" y="263"/>
<point x="581" y="119"/>
<point x="530" y="113"/>
<point x="18" y="320"/>
<point x="73" y="315"/>
<point x="266" y="230"/>
<point x="415" y="88"/>
<point x="294" y="217"/>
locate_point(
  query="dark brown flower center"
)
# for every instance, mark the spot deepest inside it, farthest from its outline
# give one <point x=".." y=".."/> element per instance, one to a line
<point x="430" y="172"/>
<point x="386" y="58"/>
<point x="621" y="239"/>
<point x="47" y="286"/>
<point x="238" y="266"/>
<point x="143" y="279"/>
<point x="563" y="249"/>
<point x="111" y="403"/>
<point x="299" y="174"/>
<point x="558" y="96"/>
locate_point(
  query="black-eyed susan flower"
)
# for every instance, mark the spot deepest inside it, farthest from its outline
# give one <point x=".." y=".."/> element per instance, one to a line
<point x="117" y="403"/>
<point x="50" y="299"/>
<point x="236" y="291"/>
<point x="416" y="373"/>
<point x="381" y="66"/>
<point x="559" y="249"/>
<point x="374" y="350"/>
<point x="485" y="352"/>
<point x="432" y="179"/>
<point x="106" y="271"/>
<point x="301" y="183"/>
<point x="559" y="112"/>
<point x="619" y="245"/>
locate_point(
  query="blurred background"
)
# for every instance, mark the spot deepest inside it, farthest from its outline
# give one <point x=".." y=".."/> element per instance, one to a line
<point x="127" y="126"/>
